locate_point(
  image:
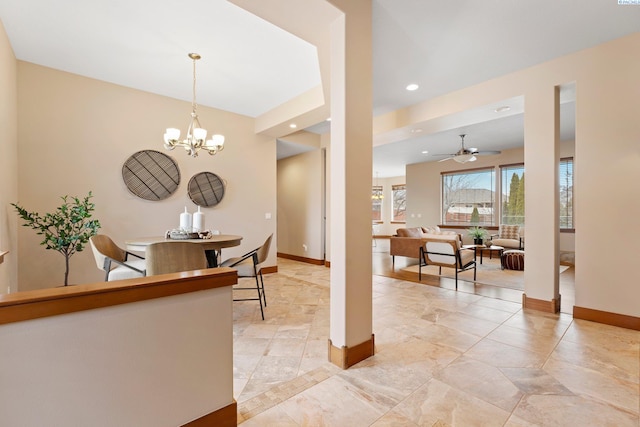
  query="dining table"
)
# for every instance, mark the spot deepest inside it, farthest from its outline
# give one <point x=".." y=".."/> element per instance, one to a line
<point x="212" y="245"/>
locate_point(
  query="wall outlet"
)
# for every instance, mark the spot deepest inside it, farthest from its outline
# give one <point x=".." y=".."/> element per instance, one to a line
<point x="267" y="215"/>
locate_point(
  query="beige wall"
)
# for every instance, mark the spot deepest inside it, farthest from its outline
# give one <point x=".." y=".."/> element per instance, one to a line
<point x="8" y="163"/>
<point x="607" y="172"/>
<point x="301" y="205"/>
<point x="74" y="135"/>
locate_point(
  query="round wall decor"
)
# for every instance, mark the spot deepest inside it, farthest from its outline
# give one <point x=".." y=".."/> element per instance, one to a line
<point x="151" y="175"/>
<point x="206" y="189"/>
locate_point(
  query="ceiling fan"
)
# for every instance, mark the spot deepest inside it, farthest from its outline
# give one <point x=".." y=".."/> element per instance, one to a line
<point x="464" y="155"/>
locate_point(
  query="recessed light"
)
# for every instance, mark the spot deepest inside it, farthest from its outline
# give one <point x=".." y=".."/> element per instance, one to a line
<point x="425" y="152"/>
<point x="293" y="126"/>
<point x="328" y="119"/>
<point x="417" y="130"/>
<point x="503" y="108"/>
<point x="412" y="87"/>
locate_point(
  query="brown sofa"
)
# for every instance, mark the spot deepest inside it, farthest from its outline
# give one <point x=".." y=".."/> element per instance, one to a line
<point x="407" y="241"/>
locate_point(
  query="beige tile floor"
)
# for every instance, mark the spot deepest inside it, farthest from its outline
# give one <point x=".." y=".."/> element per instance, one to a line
<point x="443" y="358"/>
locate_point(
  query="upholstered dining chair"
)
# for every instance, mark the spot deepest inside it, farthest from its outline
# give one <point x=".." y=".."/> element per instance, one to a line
<point x="447" y="253"/>
<point x="115" y="260"/>
<point x="250" y="265"/>
<point x="173" y="257"/>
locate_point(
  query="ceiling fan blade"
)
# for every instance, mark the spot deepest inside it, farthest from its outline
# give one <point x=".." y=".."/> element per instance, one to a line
<point x="446" y="158"/>
<point x="486" y="153"/>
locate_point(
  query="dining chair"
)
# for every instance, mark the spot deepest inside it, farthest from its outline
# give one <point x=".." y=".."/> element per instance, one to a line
<point x="115" y="260"/>
<point x="250" y="265"/>
<point x="173" y="257"/>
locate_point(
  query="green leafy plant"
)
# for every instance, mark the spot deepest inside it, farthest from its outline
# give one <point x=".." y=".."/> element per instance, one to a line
<point x="478" y="233"/>
<point x="67" y="230"/>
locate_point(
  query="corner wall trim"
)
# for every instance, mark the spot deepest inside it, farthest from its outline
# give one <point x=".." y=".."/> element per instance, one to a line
<point x="226" y="416"/>
<point x="301" y="259"/>
<point x="608" y="318"/>
<point x="552" y="306"/>
<point x="270" y="269"/>
<point x="344" y="357"/>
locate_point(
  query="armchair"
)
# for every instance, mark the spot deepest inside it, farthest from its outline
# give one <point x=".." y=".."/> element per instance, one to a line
<point x="509" y="236"/>
<point x="447" y="253"/>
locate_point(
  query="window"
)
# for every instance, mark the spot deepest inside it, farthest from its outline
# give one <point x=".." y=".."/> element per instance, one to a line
<point x="566" y="193"/>
<point x="376" y="202"/>
<point x="512" y="194"/>
<point x="468" y="197"/>
<point x="399" y="194"/>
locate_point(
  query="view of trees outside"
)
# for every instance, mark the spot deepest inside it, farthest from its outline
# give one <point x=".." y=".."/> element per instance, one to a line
<point x="566" y="193"/>
<point x="512" y="194"/>
<point x="376" y="202"/>
<point x="399" y="193"/>
<point x="468" y="197"/>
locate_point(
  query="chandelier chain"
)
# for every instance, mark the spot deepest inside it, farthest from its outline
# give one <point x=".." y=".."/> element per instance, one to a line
<point x="194" y="104"/>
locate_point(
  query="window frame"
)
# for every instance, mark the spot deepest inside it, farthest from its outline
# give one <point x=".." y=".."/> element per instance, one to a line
<point x="491" y="171"/>
<point x="566" y="160"/>
<point x="394" y="189"/>
<point x="505" y="184"/>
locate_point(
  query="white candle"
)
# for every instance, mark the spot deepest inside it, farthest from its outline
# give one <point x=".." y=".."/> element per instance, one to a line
<point x="185" y="220"/>
<point x="198" y="221"/>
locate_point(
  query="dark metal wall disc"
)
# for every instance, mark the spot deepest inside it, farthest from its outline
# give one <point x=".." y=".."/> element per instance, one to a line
<point x="206" y="189"/>
<point x="151" y="175"/>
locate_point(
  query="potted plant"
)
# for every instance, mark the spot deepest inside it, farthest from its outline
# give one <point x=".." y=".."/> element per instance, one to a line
<point x="478" y="234"/>
<point x="67" y="230"/>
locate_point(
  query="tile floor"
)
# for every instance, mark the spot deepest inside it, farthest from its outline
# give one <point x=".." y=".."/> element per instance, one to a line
<point x="443" y="358"/>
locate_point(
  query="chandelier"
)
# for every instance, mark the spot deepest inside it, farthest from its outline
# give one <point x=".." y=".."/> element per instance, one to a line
<point x="196" y="139"/>
<point x="377" y="193"/>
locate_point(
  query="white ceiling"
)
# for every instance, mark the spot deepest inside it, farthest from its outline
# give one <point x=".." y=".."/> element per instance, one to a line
<point x="250" y="66"/>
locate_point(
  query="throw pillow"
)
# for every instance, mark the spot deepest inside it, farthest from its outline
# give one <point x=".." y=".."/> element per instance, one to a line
<point x="509" y="232"/>
<point x="409" y="232"/>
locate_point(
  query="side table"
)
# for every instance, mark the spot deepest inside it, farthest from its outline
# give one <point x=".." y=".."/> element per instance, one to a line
<point x="492" y="249"/>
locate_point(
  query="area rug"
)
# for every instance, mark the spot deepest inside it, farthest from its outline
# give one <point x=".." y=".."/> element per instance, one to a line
<point x="489" y="273"/>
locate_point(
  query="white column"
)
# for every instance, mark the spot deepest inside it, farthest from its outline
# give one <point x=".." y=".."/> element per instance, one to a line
<point x="541" y="160"/>
<point x="351" y="338"/>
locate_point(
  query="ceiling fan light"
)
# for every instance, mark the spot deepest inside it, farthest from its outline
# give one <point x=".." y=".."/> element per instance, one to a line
<point x="464" y="158"/>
